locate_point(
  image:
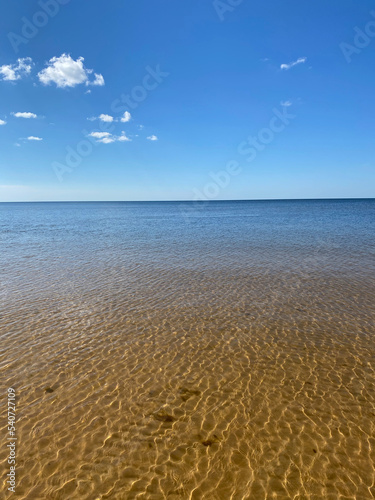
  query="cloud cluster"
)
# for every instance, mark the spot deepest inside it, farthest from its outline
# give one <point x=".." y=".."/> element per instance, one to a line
<point x="64" y="71"/>
<point x="126" y="117"/>
<point x="13" y="72"/>
<point x="108" y="138"/>
<point x="301" y="60"/>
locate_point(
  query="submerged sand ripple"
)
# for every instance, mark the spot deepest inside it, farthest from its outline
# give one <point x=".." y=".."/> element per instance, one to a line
<point x="140" y="383"/>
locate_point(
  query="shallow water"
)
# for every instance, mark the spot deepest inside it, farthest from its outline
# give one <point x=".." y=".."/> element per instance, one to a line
<point x="186" y="351"/>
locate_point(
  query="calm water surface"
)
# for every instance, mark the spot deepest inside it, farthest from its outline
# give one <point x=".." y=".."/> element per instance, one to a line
<point x="190" y="351"/>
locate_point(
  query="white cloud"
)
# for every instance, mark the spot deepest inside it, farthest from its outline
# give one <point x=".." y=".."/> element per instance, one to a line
<point x="286" y="104"/>
<point x="106" y="118"/>
<point x="99" y="135"/>
<point x="24" y="114"/>
<point x="152" y="138"/>
<point x="126" y="117"/>
<point x="301" y="60"/>
<point x="3" y="122"/>
<point x="13" y="72"/>
<point x="102" y="118"/>
<point x="107" y="138"/>
<point x="99" y="80"/>
<point x="66" y="72"/>
<point x="33" y="138"/>
<point x="123" y="137"/>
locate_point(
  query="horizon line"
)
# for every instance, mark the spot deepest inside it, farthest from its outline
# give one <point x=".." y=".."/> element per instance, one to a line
<point x="191" y="201"/>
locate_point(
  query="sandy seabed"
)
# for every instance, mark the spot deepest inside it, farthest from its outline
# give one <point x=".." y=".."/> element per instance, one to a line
<point x="154" y="384"/>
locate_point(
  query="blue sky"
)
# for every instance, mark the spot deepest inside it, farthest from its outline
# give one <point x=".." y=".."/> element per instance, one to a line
<point x="258" y="100"/>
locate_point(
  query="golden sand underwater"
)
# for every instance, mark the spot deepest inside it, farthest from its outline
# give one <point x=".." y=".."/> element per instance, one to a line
<point x="270" y="395"/>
